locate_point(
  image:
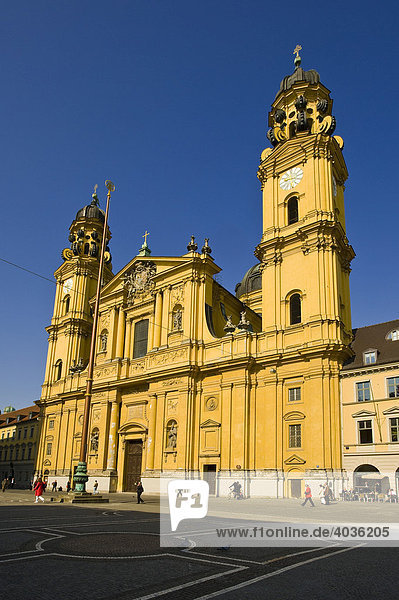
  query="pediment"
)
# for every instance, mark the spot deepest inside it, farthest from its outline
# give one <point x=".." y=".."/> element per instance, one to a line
<point x="294" y="460"/>
<point x="209" y="423"/>
<point x="163" y="264"/>
<point x="47" y="463"/>
<point x="291" y="154"/>
<point x="294" y="415"/>
<point x="132" y="426"/>
<point x="394" y="410"/>
<point x="364" y="413"/>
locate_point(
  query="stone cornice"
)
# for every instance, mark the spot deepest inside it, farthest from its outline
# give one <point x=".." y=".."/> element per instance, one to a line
<point x="363" y="370"/>
<point x="299" y="150"/>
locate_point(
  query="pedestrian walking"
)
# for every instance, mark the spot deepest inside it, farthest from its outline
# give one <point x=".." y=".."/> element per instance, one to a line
<point x="326" y="494"/>
<point x="39" y="488"/>
<point x="321" y="494"/>
<point x="95" y="487"/>
<point x="140" y="490"/>
<point x="68" y="486"/>
<point x="54" y="488"/>
<point x="4" y="484"/>
<point x="308" y="495"/>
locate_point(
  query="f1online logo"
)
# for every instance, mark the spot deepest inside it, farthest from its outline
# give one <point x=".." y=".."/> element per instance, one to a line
<point x="188" y="499"/>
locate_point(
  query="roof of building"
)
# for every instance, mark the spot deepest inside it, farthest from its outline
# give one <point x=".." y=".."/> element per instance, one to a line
<point x="251" y="281"/>
<point x="374" y="337"/>
<point x="22" y="413"/>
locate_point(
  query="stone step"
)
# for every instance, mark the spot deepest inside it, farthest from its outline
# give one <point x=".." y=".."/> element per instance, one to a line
<point x="87" y="498"/>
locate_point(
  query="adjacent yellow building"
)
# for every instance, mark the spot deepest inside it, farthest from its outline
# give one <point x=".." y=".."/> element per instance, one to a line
<point x="370" y="407"/>
<point x="191" y="380"/>
<point x="19" y="443"/>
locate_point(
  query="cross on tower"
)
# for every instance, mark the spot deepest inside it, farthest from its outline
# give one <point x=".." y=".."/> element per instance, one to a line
<point x="297" y="49"/>
<point x="145" y="236"/>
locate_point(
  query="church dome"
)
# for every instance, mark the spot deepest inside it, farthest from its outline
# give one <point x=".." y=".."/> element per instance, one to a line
<point x="251" y="281"/>
<point x="91" y="211"/>
<point x="299" y="74"/>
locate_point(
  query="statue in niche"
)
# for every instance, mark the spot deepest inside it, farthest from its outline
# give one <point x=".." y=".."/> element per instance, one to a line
<point x="94" y="441"/>
<point x="177" y="320"/>
<point x="104" y="340"/>
<point x="172" y="436"/>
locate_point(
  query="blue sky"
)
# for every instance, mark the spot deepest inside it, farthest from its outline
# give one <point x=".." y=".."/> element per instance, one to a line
<point x="169" y="99"/>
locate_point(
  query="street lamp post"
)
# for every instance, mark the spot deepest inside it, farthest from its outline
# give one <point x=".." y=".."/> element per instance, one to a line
<point x="80" y="478"/>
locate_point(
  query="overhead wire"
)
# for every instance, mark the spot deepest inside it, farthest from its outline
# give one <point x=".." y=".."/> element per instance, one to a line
<point x="80" y="293"/>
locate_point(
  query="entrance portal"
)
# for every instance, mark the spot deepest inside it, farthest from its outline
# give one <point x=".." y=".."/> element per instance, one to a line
<point x="133" y="455"/>
<point x="210" y="477"/>
<point x="296" y="488"/>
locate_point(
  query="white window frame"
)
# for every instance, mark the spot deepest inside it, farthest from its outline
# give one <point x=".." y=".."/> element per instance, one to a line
<point x="363" y="381"/>
<point x="301" y="430"/>
<point x="359" y="420"/>
<point x="387" y="386"/>
<point x="390" y="428"/>
<point x="295" y="393"/>
<point x="370" y="352"/>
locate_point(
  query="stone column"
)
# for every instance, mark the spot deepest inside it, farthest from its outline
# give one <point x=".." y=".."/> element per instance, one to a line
<point x="157" y="321"/>
<point x="127" y="338"/>
<point x="121" y="334"/>
<point x="165" y="317"/>
<point x="152" y="414"/>
<point x="112" y="337"/>
<point x="113" y="435"/>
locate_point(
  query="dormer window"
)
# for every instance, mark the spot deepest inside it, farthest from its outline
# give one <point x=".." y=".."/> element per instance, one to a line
<point x="18" y="417"/>
<point x="393" y="335"/>
<point x="370" y="357"/>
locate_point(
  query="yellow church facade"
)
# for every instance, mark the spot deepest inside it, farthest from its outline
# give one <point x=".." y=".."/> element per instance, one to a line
<point x="193" y="381"/>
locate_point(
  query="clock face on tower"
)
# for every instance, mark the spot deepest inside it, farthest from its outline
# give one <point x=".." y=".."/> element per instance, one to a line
<point x="291" y="178"/>
<point x="67" y="286"/>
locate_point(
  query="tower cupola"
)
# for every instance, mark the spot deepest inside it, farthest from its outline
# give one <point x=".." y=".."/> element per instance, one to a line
<point x="302" y="106"/>
<point x="86" y="233"/>
<point x="91" y="211"/>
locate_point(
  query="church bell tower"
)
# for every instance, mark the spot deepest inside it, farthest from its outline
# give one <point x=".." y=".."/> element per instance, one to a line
<point x="71" y="324"/>
<point x="304" y="251"/>
<point x="305" y="261"/>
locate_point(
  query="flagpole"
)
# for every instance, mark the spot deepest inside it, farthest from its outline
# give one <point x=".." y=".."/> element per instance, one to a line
<point x="81" y="477"/>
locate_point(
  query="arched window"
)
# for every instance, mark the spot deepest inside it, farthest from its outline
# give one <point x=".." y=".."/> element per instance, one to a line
<point x="58" y="369"/>
<point x="67" y="301"/>
<point x="140" y="338"/>
<point x="295" y="309"/>
<point x="292" y="210"/>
